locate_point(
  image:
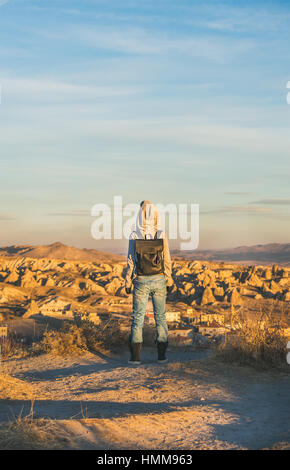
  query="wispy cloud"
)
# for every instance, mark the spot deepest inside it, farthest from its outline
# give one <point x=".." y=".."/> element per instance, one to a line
<point x="183" y="131"/>
<point x="6" y="217"/>
<point x="196" y="88"/>
<point x="221" y="17"/>
<point x="187" y="131"/>
<point x="41" y="86"/>
<point x="237" y="193"/>
<point x="241" y="20"/>
<point x="273" y="202"/>
<point x="246" y="210"/>
<point x="79" y="213"/>
<point x="143" y="41"/>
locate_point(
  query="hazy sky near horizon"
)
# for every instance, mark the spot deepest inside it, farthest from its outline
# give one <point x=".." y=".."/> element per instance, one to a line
<point x="173" y="101"/>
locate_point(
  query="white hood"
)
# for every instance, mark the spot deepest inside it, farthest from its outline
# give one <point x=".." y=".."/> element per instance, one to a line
<point x="148" y="221"/>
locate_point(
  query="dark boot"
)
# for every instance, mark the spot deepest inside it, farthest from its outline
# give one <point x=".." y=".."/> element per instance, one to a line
<point x="135" y="349"/>
<point x="161" y="348"/>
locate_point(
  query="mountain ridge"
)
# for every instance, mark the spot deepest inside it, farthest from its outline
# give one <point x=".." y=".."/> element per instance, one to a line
<point x="271" y="253"/>
<point x="58" y="250"/>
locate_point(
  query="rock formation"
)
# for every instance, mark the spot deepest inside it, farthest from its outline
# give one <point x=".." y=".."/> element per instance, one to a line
<point x="207" y="297"/>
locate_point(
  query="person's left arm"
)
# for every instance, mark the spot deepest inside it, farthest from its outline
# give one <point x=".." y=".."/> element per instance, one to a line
<point x="167" y="264"/>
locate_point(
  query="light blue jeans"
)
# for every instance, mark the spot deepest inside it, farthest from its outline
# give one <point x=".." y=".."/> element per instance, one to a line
<point x="143" y="287"/>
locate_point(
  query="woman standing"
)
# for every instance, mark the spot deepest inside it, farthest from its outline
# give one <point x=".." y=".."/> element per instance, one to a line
<point x="149" y="271"/>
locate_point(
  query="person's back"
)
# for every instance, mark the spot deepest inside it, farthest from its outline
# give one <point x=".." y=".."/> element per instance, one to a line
<point x="149" y="271"/>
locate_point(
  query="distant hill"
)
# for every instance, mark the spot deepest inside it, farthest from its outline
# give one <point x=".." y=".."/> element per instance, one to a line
<point x="271" y="253"/>
<point x="59" y="251"/>
<point x="258" y="254"/>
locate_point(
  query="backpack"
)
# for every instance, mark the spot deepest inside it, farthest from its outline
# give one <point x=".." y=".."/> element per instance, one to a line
<point x="149" y="256"/>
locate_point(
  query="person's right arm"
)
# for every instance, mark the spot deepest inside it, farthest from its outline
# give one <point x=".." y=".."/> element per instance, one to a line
<point x="130" y="265"/>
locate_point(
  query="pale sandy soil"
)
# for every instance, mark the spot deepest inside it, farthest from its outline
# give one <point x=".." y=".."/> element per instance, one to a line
<point x="106" y="404"/>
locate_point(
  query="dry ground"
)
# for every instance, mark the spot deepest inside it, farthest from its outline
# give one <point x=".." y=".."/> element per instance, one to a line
<point x="102" y="403"/>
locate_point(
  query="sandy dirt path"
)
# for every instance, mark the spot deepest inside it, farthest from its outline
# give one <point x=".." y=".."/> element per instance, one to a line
<point x="191" y="403"/>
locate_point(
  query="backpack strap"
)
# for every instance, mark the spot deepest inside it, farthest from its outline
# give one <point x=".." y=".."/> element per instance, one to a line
<point x="158" y="232"/>
<point x="155" y="236"/>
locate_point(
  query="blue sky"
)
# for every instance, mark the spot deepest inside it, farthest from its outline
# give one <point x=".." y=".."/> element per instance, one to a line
<point x="172" y="101"/>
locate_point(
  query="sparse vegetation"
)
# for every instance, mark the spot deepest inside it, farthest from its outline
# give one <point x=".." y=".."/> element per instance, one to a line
<point x="255" y="342"/>
<point x="25" y="433"/>
<point x="69" y="305"/>
<point x="281" y="446"/>
<point x="74" y="339"/>
<point x="12" y="347"/>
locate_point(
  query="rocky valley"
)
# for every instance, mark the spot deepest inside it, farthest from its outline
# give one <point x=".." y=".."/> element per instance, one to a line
<point x="65" y="285"/>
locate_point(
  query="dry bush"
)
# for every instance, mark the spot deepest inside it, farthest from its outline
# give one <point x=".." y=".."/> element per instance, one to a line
<point x="67" y="341"/>
<point x="110" y="336"/>
<point x="255" y="342"/>
<point x="28" y="433"/>
<point x="281" y="446"/>
<point x="10" y="347"/>
<point x="75" y="339"/>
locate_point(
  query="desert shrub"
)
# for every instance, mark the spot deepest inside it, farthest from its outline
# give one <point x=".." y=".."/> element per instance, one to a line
<point x="280" y="446"/>
<point x="255" y="342"/>
<point x="74" y="339"/>
<point x="111" y="335"/>
<point x="11" y="347"/>
<point x="27" y="433"/>
<point x="67" y="341"/>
